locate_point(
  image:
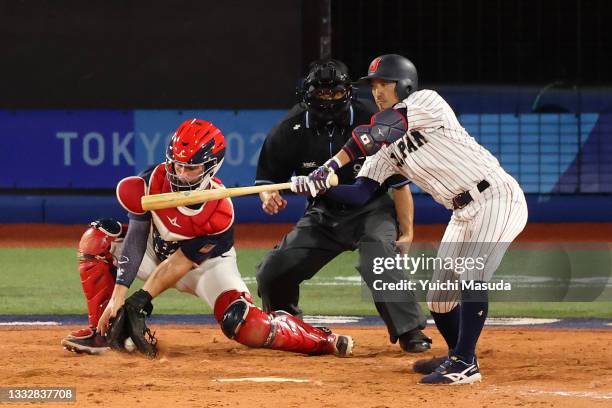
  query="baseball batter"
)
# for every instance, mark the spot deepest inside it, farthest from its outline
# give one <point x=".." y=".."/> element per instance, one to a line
<point x="189" y="248"/>
<point x="418" y="136"/>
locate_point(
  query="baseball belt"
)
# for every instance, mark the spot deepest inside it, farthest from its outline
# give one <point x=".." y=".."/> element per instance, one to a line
<point x="463" y="199"/>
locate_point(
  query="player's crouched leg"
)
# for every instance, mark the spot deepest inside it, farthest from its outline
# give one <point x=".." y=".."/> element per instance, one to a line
<point x="95" y="264"/>
<point x="244" y="322"/>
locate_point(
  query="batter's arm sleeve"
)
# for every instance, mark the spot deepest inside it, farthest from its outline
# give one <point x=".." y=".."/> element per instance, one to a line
<point x="354" y="194"/>
<point x="397" y="181"/>
<point x="134" y="247"/>
<point x="276" y="161"/>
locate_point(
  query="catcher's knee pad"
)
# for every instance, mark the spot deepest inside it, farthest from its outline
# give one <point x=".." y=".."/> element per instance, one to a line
<point x="244" y="322"/>
<point x="241" y="320"/>
<point x="96" y="265"/>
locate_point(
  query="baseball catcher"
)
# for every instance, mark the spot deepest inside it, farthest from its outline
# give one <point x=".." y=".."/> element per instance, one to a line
<point x="188" y="248"/>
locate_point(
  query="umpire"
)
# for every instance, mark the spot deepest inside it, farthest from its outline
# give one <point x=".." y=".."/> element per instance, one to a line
<point x="311" y="133"/>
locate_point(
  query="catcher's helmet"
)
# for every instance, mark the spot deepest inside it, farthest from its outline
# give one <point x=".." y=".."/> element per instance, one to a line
<point x="326" y="89"/>
<point x="393" y="67"/>
<point x="198" y="148"/>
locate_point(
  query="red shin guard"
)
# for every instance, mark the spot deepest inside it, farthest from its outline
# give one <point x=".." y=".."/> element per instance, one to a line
<point x="95" y="268"/>
<point x="244" y="322"/>
<point x="293" y="334"/>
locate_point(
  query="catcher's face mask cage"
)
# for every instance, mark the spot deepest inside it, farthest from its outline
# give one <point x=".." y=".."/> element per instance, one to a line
<point x="184" y="176"/>
<point x="194" y="155"/>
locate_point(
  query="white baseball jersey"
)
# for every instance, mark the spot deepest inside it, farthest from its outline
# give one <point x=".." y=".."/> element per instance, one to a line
<point x="436" y="153"/>
<point x="440" y="157"/>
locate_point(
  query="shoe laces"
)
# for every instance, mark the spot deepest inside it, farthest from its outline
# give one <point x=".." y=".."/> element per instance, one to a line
<point x="451" y="361"/>
<point x="445" y="365"/>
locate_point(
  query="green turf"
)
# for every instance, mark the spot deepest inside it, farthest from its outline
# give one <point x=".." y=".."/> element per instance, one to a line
<point x="46" y="281"/>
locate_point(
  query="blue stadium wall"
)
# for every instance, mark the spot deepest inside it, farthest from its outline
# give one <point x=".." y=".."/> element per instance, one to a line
<point x="562" y="160"/>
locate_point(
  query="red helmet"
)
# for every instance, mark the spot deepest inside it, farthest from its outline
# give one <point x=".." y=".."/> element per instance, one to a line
<point x="194" y="155"/>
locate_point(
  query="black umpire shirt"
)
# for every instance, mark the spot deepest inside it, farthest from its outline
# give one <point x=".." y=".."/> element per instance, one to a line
<point x="298" y="145"/>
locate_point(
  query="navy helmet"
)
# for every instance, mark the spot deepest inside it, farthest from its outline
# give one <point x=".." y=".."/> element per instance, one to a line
<point x="393" y="67"/>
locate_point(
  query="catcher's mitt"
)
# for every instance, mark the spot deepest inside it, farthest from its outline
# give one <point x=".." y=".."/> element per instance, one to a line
<point x="130" y="322"/>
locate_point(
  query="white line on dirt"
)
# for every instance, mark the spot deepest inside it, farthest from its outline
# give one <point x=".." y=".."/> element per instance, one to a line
<point x="36" y="323"/>
<point x="514" y="321"/>
<point x="317" y="319"/>
<point x="261" y="379"/>
<point x="578" y="394"/>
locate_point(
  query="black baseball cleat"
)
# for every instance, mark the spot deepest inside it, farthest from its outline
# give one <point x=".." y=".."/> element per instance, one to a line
<point x="428" y="365"/>
<point x="89" y="342"/>
<point x="414" y="341"/>
<point x="454" y="371"/>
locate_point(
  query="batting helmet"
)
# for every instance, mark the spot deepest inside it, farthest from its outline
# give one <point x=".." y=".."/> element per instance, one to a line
<point x="197" y="148"/>
<point x="326" y="89"/>
<point x="393" y="67"/>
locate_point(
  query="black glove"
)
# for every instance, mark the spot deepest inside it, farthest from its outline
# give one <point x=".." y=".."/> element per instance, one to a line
<point x="131" y="322"/>
<point x="118" y="331"/>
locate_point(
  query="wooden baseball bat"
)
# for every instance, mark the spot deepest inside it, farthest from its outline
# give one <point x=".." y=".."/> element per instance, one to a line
<point x="184" y="198"/>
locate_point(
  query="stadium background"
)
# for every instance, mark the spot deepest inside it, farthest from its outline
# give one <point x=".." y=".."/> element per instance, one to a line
<point x="79" y="112"/>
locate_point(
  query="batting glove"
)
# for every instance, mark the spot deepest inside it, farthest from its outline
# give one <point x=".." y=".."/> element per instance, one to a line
<point x="321" y="176"/>
<point x="303" y="185"/>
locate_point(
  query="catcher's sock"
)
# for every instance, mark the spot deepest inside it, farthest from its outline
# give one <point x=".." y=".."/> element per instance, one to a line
<point x="448" y="325"/>
<point x="474" y="310"/>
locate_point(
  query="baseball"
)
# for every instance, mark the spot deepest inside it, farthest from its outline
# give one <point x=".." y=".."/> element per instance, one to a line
<point x="129" y="345"/>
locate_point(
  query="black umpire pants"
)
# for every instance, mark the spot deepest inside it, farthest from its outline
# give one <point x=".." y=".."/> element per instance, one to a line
<point x="321" y="235"/>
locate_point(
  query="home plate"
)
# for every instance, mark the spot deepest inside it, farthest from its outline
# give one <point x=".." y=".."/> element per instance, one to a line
<point x="261" y="380"/>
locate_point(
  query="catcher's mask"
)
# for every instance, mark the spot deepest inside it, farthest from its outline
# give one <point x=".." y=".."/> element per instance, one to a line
<point x="194" y="155"/>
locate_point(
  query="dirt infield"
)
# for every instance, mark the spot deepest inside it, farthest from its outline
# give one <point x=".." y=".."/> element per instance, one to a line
<point x="267" y="235"/>
<point x="199" y="367"/>
<point x="530" y="367"/>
